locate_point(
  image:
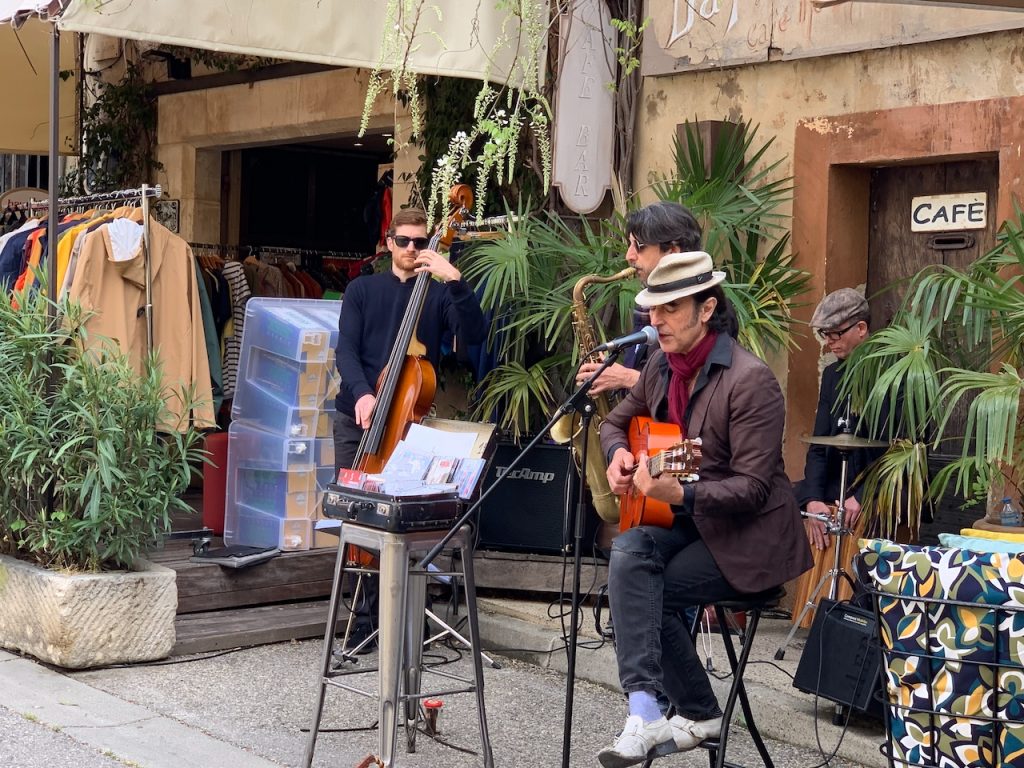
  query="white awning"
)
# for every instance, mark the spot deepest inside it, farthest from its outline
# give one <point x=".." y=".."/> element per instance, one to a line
<point x="17" y="11"/>
<point x="25" y="62"/>
<point x="987" y="5"/>
<point x="452" y="37"/>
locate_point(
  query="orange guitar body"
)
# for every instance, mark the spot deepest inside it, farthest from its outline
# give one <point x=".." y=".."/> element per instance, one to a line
<point x="652" y="437"/>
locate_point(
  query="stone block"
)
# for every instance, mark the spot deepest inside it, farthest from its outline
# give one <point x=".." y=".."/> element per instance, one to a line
<point x="85" y="620"/>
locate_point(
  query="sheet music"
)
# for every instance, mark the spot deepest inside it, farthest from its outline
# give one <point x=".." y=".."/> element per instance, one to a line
<point x="439" y="442"/>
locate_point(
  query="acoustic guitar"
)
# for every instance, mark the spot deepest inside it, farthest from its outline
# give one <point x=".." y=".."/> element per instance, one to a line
<point x="668" y="454"/>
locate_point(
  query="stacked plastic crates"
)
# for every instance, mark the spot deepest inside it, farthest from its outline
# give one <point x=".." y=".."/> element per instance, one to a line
<point x="280" y="443"/>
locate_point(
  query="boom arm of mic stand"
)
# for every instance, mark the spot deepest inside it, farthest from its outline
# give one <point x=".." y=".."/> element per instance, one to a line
<point x="574" y="402"/>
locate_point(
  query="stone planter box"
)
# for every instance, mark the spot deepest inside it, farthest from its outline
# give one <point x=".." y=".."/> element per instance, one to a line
<point x="87" y="620"/>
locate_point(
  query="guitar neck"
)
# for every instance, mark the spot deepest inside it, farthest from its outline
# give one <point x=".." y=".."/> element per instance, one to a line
<point x="656" y="465"/>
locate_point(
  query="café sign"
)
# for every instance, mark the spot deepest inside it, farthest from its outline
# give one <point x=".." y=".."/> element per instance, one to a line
<point x="949" y="213"/>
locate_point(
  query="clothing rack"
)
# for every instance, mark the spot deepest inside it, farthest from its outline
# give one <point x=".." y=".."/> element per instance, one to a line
<point x="122" y="195"/>
<point x="143" y="194"/>
<point x="274" y="250"/>
<point x="488" y="223"/>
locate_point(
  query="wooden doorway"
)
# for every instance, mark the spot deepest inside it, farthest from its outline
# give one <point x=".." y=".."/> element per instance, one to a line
<point x="895" y="253"/>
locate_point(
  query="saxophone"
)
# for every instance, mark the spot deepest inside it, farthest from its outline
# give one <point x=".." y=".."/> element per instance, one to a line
<point x="568" y="428"/>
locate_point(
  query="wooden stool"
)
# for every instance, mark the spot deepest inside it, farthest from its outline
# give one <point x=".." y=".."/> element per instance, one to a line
<point x="400" y="643"/>
<point x="754" y="605"/>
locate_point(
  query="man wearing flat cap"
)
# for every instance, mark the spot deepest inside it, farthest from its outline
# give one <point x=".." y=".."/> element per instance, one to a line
<point x="841" y="321"/>
<point x="734" y="531"/>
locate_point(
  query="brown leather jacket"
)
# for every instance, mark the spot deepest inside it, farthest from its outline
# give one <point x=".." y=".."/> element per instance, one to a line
<point x="743" y="504"/>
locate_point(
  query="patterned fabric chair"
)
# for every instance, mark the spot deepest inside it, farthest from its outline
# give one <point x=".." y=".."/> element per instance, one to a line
<point x="952" y="634"/>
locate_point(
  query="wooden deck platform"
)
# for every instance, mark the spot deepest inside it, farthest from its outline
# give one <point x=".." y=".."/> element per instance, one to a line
<point x="285" y="598"/>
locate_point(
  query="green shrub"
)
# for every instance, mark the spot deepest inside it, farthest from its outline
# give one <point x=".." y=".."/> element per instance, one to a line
<point x="87" y="481"/>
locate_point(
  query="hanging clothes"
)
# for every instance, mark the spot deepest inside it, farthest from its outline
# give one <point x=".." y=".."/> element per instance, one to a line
<point x="110" y="281"/>
<point x="232" y="338"/>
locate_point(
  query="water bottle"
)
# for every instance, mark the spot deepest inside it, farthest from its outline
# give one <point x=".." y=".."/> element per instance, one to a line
<point x="1009" y="515"/>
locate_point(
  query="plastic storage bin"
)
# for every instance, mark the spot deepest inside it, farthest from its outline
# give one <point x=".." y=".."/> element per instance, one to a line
<point x="280" y="444"/>
<point x="253" y="448"/>
<point x="259" y="408"/>
<point x="300" y="329"/>
<point x="256" y="529"/>
<point x="282" y="494"/>
<point x="293" y="381"/>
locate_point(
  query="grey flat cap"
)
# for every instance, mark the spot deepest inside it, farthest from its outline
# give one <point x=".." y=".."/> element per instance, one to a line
<point x="838" y="309"/>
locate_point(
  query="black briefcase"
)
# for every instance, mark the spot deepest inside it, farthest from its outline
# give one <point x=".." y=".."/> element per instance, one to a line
<point x="840" y="661"/>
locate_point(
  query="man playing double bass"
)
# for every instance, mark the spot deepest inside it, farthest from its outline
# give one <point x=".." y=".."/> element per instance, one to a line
<point x="371" y="313"/>
<point x="737" y="530"/>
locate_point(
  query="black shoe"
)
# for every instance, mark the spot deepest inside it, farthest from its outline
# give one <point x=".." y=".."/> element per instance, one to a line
<point x="608" y="631"/>
<point x="360" y="631"/>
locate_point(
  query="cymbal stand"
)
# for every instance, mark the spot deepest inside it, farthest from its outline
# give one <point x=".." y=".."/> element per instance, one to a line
<point x="835" y="528"/>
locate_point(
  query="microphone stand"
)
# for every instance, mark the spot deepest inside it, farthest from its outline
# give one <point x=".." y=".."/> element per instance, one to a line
<point x="580" y="403"/>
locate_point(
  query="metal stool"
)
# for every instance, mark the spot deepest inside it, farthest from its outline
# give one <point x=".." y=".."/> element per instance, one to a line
<point x="754" y="605"/>
<point x="402" y="603"/>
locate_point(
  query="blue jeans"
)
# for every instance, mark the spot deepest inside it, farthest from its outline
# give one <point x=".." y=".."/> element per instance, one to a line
<point x="654" y="574"/>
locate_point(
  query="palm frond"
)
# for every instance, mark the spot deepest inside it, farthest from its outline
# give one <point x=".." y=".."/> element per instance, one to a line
<point x="994" y="413"/>
<point x="893" y="378"/>
<point x="898" y="481"/>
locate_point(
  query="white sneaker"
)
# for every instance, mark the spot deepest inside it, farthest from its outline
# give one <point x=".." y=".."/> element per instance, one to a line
<point x="687" y="733"/>
<point x="637" y="740"/>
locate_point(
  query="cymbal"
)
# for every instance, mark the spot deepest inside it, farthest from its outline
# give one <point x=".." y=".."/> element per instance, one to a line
<point x="844" y="441"/>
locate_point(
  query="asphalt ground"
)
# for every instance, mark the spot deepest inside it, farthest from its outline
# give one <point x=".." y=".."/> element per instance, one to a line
<point x="248" y="709"/>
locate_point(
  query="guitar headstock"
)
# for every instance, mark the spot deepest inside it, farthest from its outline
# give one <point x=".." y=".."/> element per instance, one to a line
<point x="682" y="461"/>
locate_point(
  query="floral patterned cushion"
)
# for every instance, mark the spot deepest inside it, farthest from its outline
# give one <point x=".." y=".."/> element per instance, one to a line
<point x="955" y="668"/>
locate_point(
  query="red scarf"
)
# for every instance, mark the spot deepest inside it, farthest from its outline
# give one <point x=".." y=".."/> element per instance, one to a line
<point x="684" y="368"/>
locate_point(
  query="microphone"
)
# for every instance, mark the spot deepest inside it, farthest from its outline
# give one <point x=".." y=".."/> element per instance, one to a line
<point x="646" y="335"/>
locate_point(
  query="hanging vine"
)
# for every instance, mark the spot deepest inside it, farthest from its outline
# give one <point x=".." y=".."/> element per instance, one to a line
<point x="118" y="136"/>
<point x="490" y="145"/>
<point x="629" y="23"/>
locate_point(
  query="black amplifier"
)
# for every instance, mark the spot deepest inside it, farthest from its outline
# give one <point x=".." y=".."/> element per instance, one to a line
<point x="396" y="514"/>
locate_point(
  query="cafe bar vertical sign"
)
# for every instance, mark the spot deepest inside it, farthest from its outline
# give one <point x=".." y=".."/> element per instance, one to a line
<point x="585" y="106"/>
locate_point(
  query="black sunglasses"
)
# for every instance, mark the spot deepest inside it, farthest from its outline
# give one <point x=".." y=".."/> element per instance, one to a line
<point x="835" y="335"/>
<point x="419" y="243"/>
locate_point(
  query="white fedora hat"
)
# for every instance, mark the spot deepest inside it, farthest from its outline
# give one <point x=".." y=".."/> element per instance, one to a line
<point x="678" y="275"/>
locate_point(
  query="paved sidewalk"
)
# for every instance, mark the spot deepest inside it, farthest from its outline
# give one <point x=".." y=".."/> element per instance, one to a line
<point x="247" y="709"/>
<point x="781" y="711"/>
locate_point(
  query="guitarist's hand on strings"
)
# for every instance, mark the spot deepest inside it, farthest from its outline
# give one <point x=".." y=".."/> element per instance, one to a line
<point x="620" y="471"/>
<point x="436" y="264"/>
<point x="663" y="488"/>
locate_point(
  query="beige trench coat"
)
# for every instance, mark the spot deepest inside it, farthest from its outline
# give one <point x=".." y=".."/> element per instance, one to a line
<point x="115" y="291"/>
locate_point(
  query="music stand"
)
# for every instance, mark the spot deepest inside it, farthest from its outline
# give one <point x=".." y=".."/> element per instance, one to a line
<point x="845" y="442"/>
<point x="580" y="403"/>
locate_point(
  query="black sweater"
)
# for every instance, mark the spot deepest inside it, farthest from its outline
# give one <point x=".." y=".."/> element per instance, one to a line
<point x="371" y="313"/>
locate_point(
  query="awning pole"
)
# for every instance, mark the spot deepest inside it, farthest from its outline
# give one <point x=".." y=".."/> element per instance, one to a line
<point x="51" y="225"/>
<point x="51" y="229"/>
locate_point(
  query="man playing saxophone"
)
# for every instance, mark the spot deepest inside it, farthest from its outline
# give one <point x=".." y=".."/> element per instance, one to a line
<point x="652" y="231"/>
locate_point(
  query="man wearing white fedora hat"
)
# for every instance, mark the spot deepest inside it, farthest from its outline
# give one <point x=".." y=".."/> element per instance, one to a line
<point x="736" y="531"/>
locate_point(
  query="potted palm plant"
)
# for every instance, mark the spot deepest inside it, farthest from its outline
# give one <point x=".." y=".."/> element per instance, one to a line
<point x="87" y="482"/>
<point x="528" y="276"/>
<point x="957" y="342"/>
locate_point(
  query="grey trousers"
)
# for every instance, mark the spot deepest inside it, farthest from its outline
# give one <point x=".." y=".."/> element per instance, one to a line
<point x="654" y="574"/>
